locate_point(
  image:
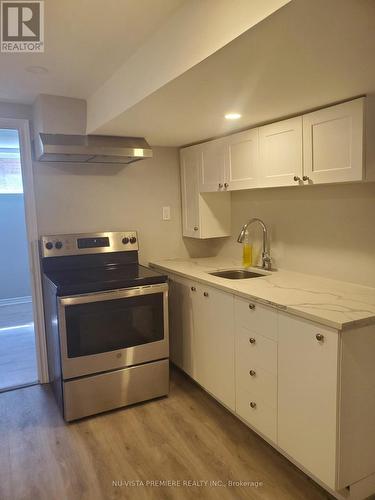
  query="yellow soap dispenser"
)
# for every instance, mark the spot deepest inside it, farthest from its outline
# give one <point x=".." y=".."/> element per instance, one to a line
<point x="247" y="251"/>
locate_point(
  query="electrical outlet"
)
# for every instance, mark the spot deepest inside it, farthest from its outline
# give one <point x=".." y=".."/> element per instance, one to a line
<point x="166" y="213"/>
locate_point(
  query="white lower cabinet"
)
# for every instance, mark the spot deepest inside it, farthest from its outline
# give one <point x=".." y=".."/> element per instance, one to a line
<point x="307" y="395"/>
<point x="181" y="324"/>
<point x="256" y="382"/>
<point x="214" y="342"/>
<point x="202" y="336"/>
<point x="256" y="366"/>
<point x="308" y="389"/>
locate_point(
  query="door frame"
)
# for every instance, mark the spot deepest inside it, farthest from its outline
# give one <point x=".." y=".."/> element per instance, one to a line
<point x="23" y="128"/>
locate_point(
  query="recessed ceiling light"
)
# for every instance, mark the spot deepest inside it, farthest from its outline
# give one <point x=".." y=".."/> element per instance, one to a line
<point x="233" y="116"/>
<point x="37" y="70"/>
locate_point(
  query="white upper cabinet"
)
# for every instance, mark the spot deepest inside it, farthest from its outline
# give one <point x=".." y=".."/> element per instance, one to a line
<point x="212" y="171"/>
<point x="326" y="146"/>
<point x="333" y="143"/>
<point x="280" y="146"/>
<point x="205" y="215"/>
<point x="190" y="163"/>
<point x="242" y="161"/>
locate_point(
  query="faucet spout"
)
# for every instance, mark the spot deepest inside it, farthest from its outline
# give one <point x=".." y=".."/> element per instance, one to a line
<point x="266" y="258"/>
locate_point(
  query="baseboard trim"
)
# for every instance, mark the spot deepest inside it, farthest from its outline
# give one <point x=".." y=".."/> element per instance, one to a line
<point x="15" y="300"/>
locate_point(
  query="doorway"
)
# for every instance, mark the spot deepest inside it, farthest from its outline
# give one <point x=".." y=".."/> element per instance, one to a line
<point x="18" y="350"/>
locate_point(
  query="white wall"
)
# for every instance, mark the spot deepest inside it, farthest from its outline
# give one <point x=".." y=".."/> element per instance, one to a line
<point x="87" y="198"/>
<point x="326" y="230"/>
<point x="84" y="198"/>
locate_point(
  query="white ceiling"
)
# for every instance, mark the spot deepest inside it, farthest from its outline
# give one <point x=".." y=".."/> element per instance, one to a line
<point x="308" y="54"/>
<point x="85" y="42"/>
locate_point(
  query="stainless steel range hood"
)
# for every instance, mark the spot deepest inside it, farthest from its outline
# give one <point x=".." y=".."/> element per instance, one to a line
<point x="90" y="148"/>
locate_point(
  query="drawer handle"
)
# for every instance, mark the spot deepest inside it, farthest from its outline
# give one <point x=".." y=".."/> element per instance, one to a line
<point x="196" y="228"/>
<point x="296" y="178"/>
<point x="220" y="185"/>
<point x="252" y="373"/>
<point x="253" y="404"/>
<point x="252" y="306"/>
<point x="205" y="294"/>
<point x="319" y="337"/>
<point x="193" y="289"/>
<point x="226" y="185"/>
<point x="252" y="340"/>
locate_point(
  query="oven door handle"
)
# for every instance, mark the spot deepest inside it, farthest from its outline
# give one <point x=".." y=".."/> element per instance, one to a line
<point x="120" y="293"/>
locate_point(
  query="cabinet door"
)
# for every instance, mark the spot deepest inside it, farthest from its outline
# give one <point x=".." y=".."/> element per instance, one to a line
<point x="213" y="166"/>
<point x="280" y="147"/>
<point x="307" y="395"/>
<point x="205" y="215"/>
<point x="333" y="143"/>
<point x="181" y="326"/>
<point x="214" y="342"/>
<point x="242" y="160"/>
<point x="191" y="159"/>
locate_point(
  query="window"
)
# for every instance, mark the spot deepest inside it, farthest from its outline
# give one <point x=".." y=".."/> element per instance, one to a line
<point x="10" y="162"/>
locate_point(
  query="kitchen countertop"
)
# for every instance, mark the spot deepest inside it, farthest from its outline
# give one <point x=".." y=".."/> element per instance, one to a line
<point x="336" y="304"/>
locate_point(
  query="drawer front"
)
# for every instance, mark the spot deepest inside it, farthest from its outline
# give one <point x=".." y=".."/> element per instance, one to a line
<point x="262" y="417"/>
<point x="106" y="391"/>
<point x="256" y="317"/>
<point x="256" y="350"/>
<point x="259" y="382"/>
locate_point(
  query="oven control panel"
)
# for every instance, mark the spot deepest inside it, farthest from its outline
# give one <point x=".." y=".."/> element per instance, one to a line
<point x="85" y="243"/>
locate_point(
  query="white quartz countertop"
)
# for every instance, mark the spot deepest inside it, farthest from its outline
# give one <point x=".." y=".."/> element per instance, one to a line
<point x="336" y="304"/>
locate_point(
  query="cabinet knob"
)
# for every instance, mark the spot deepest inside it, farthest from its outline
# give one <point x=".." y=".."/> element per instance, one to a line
<point x="305" y="178"/>
<point x="252" y="306"/>
<point x="296" y="178"/>
<point x="253" y="404"/>
<point x="205" y="294"/>
<point x="252" y="340"/>
<point x="319" y="337"/>
<point x="193" y="289"/>
<point x="220" y="185"/>
<point x="226" y="185"/>
<point x="252" y="373"/>
<point x="195" y="228"/>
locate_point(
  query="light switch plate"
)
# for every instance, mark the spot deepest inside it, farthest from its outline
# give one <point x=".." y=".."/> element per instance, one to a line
<point x="166" y="213"/>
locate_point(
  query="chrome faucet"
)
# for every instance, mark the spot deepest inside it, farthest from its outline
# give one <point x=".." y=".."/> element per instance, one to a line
<point x="266" y="258"/>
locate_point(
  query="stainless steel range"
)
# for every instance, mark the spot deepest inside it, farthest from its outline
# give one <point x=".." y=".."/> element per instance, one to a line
<point x="106" y="322"/>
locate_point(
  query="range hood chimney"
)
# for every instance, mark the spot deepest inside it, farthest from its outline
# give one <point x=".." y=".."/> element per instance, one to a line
<point x="90" y="148"/>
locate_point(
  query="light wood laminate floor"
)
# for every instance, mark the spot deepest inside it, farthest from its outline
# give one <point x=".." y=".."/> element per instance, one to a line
<point x="17" y="346"/>
<point x="187" y="436"/>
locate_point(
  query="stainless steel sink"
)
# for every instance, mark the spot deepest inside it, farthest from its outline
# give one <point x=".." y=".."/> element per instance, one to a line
<point x="237" y="274"/>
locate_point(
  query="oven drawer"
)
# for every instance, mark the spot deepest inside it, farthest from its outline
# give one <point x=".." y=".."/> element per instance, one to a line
<point x="107" y="391"/>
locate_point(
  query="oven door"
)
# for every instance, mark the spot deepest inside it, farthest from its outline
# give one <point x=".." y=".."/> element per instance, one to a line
<point x="113" y="329"/>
